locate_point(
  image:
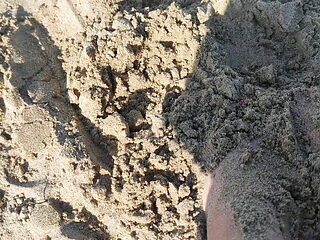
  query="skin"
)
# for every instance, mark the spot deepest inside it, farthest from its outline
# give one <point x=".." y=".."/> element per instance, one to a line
<point x="221" y="224"/>
<point x="220" y="221"/>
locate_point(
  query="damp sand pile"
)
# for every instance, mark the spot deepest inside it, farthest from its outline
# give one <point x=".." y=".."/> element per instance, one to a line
<point x="111" y="112"/>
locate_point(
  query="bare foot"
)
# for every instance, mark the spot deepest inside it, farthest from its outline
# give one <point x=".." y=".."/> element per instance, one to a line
<point x="220" y="221"/>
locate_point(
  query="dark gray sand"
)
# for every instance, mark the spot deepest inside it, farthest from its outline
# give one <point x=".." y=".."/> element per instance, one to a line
<point x="253" y="107"/>
<point x="111" y="112"/>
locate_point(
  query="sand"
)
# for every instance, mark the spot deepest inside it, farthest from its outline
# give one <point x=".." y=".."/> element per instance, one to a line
<point x="113" y="112"/>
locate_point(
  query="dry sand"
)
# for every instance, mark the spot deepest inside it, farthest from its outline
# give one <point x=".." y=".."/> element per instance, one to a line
<point x="111" y="112"/>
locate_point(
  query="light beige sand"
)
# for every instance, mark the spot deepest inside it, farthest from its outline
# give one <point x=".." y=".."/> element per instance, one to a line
<point x="85" y="153"/>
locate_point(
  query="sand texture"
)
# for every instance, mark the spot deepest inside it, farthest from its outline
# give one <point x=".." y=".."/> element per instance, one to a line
<point x="112" y="112"/>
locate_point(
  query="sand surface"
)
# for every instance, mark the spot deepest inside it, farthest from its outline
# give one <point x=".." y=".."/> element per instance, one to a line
<point x="112" y="112"/>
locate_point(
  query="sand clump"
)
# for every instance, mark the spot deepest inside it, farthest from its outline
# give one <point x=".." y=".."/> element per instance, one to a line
<point x="109" y="111"/>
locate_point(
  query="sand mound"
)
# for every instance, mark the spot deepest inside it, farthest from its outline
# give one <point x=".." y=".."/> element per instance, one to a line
<point x="109" y="110"/>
